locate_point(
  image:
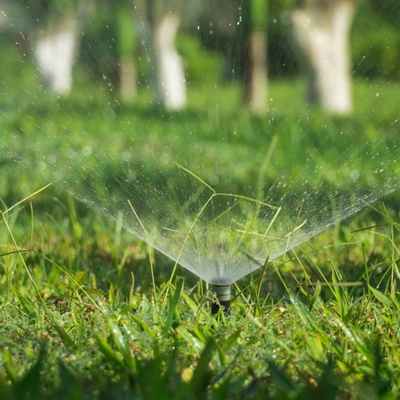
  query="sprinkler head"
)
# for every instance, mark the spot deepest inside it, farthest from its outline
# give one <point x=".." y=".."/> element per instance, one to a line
<point x="223" y="293"/>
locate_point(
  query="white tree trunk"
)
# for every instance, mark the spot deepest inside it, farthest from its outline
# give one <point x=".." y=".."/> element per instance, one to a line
<point x="170" y="75"/>
<point x="258" y="79"/>
<point x="322" y="33"/>
<point x="55" y="53"/>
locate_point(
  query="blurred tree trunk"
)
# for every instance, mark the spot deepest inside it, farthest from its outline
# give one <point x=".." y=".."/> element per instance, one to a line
<point x="171" y="86"/>
<point x="163" y="19"/>
<point x="322" y="29"/>
<point x="126" y="49"/>
<point x="55" y="51"/>
<point x="257" y="76"/>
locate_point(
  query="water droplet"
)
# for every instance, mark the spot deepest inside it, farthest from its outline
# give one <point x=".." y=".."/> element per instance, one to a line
<point x="354" y="174"/>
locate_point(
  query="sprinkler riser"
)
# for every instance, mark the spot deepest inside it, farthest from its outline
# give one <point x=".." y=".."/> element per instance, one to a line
<point x="223" y="293"/>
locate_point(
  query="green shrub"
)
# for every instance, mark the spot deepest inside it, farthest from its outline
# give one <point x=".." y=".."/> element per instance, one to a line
<point x="375" y="41"/>
<point x="198" y="62"/>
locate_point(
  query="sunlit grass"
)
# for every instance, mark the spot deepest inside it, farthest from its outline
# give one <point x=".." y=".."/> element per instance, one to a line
<point x="112" y="316"/>
<point x="323" y="318"/>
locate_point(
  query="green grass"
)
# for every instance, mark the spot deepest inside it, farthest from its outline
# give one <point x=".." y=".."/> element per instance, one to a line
<point x="80" y="317"/>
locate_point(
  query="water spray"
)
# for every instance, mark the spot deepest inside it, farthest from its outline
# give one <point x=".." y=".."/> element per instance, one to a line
<point x="223" y="293"/>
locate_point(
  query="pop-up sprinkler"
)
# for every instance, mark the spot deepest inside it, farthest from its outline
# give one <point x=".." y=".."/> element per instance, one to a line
<point x="223" y="293"/>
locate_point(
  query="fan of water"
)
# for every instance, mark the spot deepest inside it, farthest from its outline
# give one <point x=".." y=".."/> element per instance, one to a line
<point x="185" y="167"/>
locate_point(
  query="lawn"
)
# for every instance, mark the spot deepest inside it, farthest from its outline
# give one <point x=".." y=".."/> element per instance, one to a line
<point x="81" y="316"/>
<point x="81" y="319"/>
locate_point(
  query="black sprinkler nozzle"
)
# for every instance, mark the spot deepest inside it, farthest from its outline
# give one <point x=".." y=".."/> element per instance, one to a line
<point x="223" y="293"/>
